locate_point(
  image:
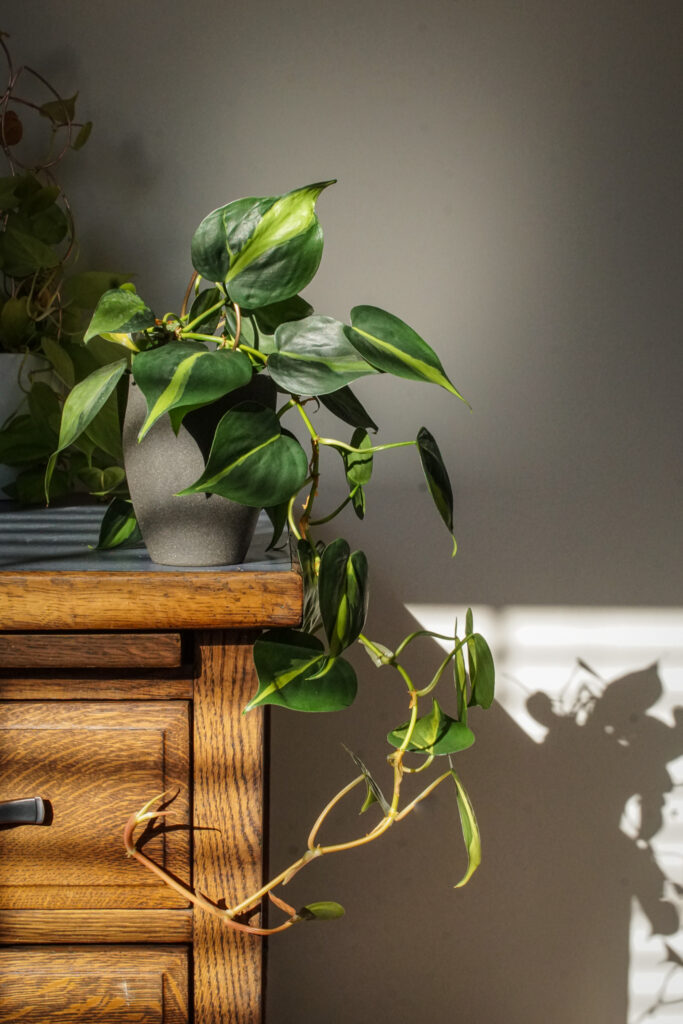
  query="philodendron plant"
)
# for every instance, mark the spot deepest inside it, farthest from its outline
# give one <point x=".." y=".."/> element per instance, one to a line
<point x="251" y="259"/>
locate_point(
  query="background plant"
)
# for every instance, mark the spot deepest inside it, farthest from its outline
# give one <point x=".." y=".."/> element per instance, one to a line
<point x="251" y="259"/>
<point x="44" y="304"/>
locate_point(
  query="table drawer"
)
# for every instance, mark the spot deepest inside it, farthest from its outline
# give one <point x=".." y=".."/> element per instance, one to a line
<point x="94" y="985"/>
<point x="90" y="650"/>
<point x="94" y="763"/>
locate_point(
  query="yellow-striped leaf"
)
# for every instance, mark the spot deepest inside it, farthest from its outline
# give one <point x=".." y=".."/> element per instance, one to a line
<point x="391" y="345"/>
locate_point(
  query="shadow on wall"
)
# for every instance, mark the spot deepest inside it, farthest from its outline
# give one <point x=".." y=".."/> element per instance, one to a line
<point x="586" y="857"/>
<point x="600" y="756"/>
<point x="574" y="913"/>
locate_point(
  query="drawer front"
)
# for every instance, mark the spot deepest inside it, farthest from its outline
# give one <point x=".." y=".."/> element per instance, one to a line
<point x="90" y="650"/>
<point x="116" y="985"/>
<point x="95" y="763"/>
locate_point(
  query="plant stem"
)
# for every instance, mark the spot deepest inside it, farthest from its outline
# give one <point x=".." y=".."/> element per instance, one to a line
<point x="255" y="353"/>
<point x="328" y="518"/>
<point x="196" y="898"/>
<point x="425" y="792"/>
<point x="326" y="810"/>
<point x="202" y="316"/>
<point x="332" y="443"/>
<point x="311" y="429"/>
<point x="183" y="308"/>
<point x="419" y="633"/>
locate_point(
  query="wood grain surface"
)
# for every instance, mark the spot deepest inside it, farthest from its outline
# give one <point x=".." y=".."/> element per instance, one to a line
<point x="96" y="985"/>
<point x="85" y="926"/>
<point x="97" y="684"/>
<point x="228" y="819"/>
<point x="89" y="650"/>
<point x="147" y="600"/>
<point x="95" y="763"/>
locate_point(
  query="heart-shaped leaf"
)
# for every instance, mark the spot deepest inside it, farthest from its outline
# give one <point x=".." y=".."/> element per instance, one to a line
<point x="184" y="375"/>
<point x="294" y="672"/>
<point x="313" y="357"/>
<point x="437" y="478"/>
<point x="119" y="310"/>
<point x="391" y="345"/>
<point x="252" y="460"/>
<point x="343" y="594"/>
<point x="436" y="733"/>
<point x="265" y="249"/>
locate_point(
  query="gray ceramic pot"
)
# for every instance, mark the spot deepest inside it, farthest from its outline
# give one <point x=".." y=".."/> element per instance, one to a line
<point x="196" y="529"/>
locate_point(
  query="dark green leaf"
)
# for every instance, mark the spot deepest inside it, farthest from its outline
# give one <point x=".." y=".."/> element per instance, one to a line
<point x="50" y="225"/>
<point x="343" y="594"/>
<point x="251" y="460"/>
<point x="482" y="671"/>
<point x="294" y="672"/>
<point x="121" y="311"/>
<point x="203" y="302"/>
<point x="344" y="404"/>
<point x="24" y="441"/>
<point x="359" y="464"/>
<point x="41" y="199"/>
<point x="324" y="911"/>
<point x="29" y="486"/>
<point x="184" y="375"/>
<point x="22" y="254"/>
<point x="391" y="345"/>
<point x="437" y="478"/>
<point x="265" y="249"/>
<point x="119" y="526"/>
<point x="269" y="318"/>
<point x="358" y="501"/>
<point x="223" y="233"/>
<point x="436" y="733"/>
<point x="8" y="192"/>
<point x="282" y="252"/>
<point x="469" y="622"/>
<point x="44" y="407"/>
<point x="278" y="518"/>
<point x="313" y="357"/>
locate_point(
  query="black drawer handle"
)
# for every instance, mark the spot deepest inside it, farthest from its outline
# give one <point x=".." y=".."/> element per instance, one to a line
<point x="22" y="812"/>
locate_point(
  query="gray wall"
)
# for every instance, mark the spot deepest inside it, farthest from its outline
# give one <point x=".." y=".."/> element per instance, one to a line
<point x="509" y="183"/>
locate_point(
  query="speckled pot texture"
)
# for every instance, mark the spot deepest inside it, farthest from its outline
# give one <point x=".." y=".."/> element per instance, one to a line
<point x="195" y="529"/>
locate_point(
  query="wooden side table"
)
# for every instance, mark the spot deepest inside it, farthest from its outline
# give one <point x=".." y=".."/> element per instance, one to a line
<point x="120" y="680"/>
